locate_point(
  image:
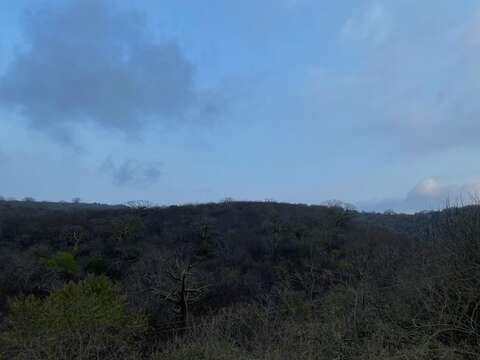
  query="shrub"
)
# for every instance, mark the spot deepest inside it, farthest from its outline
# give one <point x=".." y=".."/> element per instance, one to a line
<point x="84" y="320"/>
<point x="63" y="262"/>
<point x="205" y="349"/>
<point x="98" y="266"/>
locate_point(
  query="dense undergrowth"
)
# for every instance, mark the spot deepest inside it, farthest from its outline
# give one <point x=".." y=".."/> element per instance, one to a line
<point x="238" y="281"/>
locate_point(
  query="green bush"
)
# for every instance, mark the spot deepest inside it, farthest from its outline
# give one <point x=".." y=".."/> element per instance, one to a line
<point x="84" y="320"/>
<point x="63" y="262"/>
<point x="98" y="266"/>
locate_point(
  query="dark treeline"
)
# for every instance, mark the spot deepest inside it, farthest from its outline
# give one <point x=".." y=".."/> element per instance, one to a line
<point x="237" y="280"/>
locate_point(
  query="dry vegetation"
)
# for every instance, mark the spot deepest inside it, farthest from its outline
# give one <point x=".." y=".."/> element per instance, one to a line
<point x="238" y="281"/>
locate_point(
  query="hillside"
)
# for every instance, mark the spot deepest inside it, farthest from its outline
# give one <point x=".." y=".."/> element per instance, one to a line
<point x="284" y="268"/>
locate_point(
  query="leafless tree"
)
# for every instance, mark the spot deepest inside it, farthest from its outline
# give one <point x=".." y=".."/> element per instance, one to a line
<point x="184" y="293"/>
<point x="140" y="204"/>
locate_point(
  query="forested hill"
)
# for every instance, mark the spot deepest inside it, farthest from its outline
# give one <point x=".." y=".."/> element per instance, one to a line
<point x="231" y="214"/>
<point x="250" y="237"/>
<point x="395" y="221"/>
<point x="368" y="285"/>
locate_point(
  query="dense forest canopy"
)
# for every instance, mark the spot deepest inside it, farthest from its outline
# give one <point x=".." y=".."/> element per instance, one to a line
<point x="238" y="280"/>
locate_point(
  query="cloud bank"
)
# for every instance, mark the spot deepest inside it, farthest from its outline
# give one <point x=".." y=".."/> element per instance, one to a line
<point x="87" y="63"/>
<point x="428" y="194"/>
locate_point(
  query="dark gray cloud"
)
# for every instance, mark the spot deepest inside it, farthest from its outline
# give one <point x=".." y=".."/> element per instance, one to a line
<point x="132" y="172"/>
<point x="428" y="194"/>
<point x="87" y="62"/>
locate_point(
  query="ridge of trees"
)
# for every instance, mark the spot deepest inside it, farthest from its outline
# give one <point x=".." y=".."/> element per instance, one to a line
<point x="239" y="280"/>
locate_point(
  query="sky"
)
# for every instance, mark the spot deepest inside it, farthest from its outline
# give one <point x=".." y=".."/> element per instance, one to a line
<point x="375" y="103"/>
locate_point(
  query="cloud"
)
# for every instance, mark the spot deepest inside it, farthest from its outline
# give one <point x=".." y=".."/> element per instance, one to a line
<point x="428" y="194"/>
<point x="373" y="25"/>
<point x="132" y="172"/>
<point x="418" y="86"/>
<point x="88" y="63"/>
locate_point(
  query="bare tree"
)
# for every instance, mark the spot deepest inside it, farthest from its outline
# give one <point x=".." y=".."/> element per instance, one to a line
<point x="140" y="204"/>
<point x="185" y="292"/>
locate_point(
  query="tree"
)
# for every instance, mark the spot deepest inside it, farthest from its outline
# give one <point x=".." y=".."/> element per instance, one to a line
<point x="65" y="261"/>
<point x="140" y="204"/>
<point x="84" y="320"/>
<point x="206" y="247"/>
<point x="184" y="293"/>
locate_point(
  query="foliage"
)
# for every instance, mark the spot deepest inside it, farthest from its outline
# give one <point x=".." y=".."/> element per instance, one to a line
<point x="63" y="262"/>
<point x="284" y="281"/>
<point x="203" y="349"/>
<point x="97" y="266"/>
<point x="84" y="320"/>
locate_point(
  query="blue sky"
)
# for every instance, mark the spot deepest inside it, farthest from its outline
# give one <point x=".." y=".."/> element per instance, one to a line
<point x="374" y="102"/>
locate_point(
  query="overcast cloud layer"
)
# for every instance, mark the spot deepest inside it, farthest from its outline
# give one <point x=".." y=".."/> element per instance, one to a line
<point x="421" y="72"/>
<point x="372" y="102"/>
